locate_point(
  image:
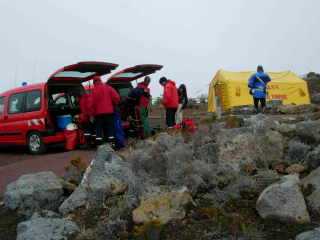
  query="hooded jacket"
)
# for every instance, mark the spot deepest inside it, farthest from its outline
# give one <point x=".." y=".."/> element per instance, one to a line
<point x="258" y="84"/>
<point x="145" y="97"/>
<point x="170" y="95"/>
<point x="85" y="104"/>
<point x="104" y="98"/>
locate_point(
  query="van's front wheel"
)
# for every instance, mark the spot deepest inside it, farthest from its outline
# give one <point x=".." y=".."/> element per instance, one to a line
<point x="35" y="143"/>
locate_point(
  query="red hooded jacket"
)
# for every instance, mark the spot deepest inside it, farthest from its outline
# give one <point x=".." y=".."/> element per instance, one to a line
<point x="104" y="98"/>
<point x="144" y="100"/>
<point x="170" y="95"/>
<point x="85" y="103"/>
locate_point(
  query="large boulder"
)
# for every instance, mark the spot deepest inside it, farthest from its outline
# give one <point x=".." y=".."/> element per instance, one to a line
<point x="266" y="178"/>
<point x="283" y="201"/>
<point x="309" y="131"/>
<point x="310" y="235"/>
<point x="182" y="164"/>
<point x="297" y="151"/>
<point x="162" y="208"/>
<point x="108" y="175"/>
<point x="47" y="229"/>
<point x="242" y="146"/>
<point x="260" y="123"/>
<point x="312" y="183"/>
<point x="296" y="109"/>
<point x="34" y="192"/>
<point x="313" y="158"/>
<point x="286" y="129"/>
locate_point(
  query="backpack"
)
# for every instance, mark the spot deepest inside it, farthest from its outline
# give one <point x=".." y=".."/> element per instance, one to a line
<point x="134" y="96"/>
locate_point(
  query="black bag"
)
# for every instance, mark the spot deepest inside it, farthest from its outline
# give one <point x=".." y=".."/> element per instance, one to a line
<point x="134" y="96"/>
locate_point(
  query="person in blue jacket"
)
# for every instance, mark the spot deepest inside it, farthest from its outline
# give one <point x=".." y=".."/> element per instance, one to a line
<point x="258" y="88"/>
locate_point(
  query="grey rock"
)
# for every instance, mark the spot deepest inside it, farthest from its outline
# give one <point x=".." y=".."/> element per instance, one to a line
<point x="315" y="98"/>
<point x="297" y="151"/>
<point x="286" y="129"/>
<point x="108" y="175"/>
<point x="47" y="229"/>
<point x="34" y="192"/>
<point x="265" y="178"/>
<point x="200" y="138"/>
<point x="45" y="214"/>
<point x="207" y="152"/>
<point x="73" y="175"/>
<point x="260" y="123"/>
<point x="112" y="230"/>
<point x="313" y="181"/>
<point x="283" y="201"/>
<point x="310" y="235"/>
<point x="166" y="141"/>
<point x="313" y="158"/>
<point x="309" y="131"/>
<point x="179" y="161"/>
<point x="243" y="187"/>
<point x="296" y="109"/>
<point x="179" y="167"/>
<point x="237" y="147"/>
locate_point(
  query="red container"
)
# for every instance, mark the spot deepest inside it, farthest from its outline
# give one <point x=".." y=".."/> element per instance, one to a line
<point x="71" y="139"/>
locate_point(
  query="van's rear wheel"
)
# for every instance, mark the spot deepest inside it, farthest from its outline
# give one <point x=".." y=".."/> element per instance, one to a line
<point x="35" y="143"/>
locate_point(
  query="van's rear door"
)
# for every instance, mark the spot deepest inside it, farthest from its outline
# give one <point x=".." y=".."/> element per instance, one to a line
<point x="81" y="72"/>
<point x="133" y="73"/>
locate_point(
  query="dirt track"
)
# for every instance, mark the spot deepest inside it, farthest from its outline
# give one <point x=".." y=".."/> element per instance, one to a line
<point x="16" y="162"/>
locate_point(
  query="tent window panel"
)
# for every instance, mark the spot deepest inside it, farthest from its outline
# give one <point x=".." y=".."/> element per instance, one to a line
<point x="238" y="91"/>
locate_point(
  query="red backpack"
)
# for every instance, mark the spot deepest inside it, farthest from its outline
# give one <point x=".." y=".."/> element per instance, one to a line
<point x="187" y="124"/>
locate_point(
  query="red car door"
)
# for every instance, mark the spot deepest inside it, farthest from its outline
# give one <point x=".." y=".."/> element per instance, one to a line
<point x="14" y="123"/>
<point x="2" y="116"/>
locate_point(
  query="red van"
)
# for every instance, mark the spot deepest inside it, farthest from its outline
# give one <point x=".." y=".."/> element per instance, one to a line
<point x="28" y="114"/>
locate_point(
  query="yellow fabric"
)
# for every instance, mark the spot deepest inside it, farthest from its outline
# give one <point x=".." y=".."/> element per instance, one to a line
<point x="232" y="89"/>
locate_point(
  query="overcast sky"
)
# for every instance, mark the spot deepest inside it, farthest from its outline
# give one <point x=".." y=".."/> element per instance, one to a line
<point x="191" y="38"/>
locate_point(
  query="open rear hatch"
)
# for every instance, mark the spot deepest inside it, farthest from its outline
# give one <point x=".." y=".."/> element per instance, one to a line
<point x="81" y="72"/>
<point x="133" y="73"/>
<point x="65" y="85"/>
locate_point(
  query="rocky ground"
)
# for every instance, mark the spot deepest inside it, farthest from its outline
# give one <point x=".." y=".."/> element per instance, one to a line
<point x="240" y="177"/>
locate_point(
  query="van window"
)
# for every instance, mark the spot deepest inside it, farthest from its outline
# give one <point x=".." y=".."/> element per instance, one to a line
<point x="60" y="99"/>
<point x="33" y="101"/>
<point x="1" y="105"/>
<point x="16" y="103"/>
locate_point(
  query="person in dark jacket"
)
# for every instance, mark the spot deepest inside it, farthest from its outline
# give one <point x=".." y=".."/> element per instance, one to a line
<point x="104" y="100"/>
<point x="258" y="88"/>
<point x="138" y="103"/>
<point x="183" y="101"/>
<point x="143" y="106"/>
<point x="170" y="100"/>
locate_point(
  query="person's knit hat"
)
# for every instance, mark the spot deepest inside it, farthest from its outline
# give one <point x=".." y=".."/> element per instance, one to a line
<point x="163" y="80"/>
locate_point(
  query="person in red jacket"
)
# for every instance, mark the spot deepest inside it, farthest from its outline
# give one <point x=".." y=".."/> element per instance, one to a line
<point x="170" y="100"/>
<point x="104" y="100"/>
<point x="86" y="115"/>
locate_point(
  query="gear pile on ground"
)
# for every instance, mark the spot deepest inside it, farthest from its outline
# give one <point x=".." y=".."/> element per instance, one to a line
<point x="252" y="177"/>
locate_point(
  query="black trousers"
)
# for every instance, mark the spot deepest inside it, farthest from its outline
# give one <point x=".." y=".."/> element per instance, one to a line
<point x="261" y="100"/>
<point x="171" y="116"/>
<point x="105" y="128"/>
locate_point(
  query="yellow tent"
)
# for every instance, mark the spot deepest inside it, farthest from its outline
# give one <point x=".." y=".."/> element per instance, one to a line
<point x="230" y="89"/>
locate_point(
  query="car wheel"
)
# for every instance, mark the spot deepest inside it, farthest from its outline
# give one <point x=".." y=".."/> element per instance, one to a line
<point x="35" y="143"/>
